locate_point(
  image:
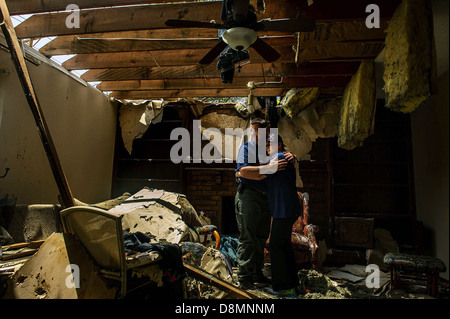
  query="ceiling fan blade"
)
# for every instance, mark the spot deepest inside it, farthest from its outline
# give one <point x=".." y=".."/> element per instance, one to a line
<point x="288" y="25"/>
<point x="214" y="52"/>
<point x="193" y="24"/>
<point x="266" y="51"/>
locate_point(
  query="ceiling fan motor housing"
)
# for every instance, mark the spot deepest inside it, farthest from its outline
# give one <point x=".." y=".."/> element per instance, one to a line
<point x="239" y="38"/>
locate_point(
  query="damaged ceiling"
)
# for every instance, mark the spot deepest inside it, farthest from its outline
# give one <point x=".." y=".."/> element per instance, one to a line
<point x="125" y="45"/>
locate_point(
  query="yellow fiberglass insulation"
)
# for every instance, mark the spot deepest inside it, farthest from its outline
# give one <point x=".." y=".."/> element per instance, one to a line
<point x="358" y="108"/>
<point x="297" y="99"/>
<point x="409" y="57"/>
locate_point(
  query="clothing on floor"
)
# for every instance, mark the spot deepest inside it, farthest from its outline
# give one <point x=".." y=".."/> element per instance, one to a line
<point x="171" y="262"/>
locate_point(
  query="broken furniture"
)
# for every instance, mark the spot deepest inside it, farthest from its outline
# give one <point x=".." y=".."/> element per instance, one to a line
<point x="415" y="266"/>
<point x="205" y="235"/>
<point x="355" y="232"/>
<point x="101" y="234"/>
<point x="303" y="237"/>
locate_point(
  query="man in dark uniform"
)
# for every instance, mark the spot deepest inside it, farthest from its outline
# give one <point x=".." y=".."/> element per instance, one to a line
<point x="252" y="209"/>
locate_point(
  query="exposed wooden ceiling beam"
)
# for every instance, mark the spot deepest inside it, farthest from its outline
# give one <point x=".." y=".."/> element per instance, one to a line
<point x="67" y="44"/>
<point x="93" y="45"/>
<point x="210" y="71"/>
<point x="325" y="33"/>
<point x="347" y="10"/>
<point x="140" y="17"/>
<point x="155" y="94"/>
<point x="156" y="58"/>
<point x="118" y="19"/>
<point x="341" y="50"/>
<point x="216" y="83"/>
<point x="39" y="6"/>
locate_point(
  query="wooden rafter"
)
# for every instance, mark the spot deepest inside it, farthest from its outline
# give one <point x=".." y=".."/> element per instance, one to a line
<point x="125" y="44"/>
<point x="216" y="83"/>
<point x="210" y="71"/>
<point x="185" y="93"/>
<point x="39" y="6"/>
<point x="140" y="17"/>
<point x="118" y="19"/>
<point x="156" y="58"/>
<point x="94" y="45"/>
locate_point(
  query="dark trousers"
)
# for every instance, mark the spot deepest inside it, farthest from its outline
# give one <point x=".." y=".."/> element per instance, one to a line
<point x="283" y="267"/>
<point x="253" y="220"/>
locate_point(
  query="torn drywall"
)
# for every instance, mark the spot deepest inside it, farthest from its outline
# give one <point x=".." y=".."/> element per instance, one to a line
<point x="228" y="144"/>
<point x="135" y="120"/>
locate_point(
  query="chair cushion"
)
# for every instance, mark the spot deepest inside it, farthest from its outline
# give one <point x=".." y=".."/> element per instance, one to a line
<point x="414" y="262"/>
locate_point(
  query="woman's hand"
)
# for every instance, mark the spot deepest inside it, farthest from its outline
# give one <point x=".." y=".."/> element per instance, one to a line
<point x="274" y="166"/>
<point x="289" y="156"/>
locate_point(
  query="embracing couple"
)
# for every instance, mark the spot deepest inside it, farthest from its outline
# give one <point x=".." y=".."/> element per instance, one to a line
<point x="266" y="203"/>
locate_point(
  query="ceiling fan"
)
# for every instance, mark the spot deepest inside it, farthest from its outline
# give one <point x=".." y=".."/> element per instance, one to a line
<point x="241" y="25"/>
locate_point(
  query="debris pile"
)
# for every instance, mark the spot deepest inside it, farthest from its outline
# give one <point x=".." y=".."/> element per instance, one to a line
<point x="316" y="285"/>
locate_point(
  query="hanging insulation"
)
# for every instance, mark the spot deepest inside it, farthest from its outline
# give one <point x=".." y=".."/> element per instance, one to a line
<point x="409" y="57"/>
<point x="358" y="108"/>
<point x="297" y="99"/>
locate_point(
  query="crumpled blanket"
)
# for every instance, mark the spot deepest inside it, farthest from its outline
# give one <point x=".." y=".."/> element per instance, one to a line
<point x="228" y="247"/>
<point x="171" y="262"/>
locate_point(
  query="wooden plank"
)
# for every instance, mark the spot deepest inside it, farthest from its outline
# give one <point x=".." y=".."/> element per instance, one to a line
<point x="66" y="44"/>
<point x="348" y="10"/>
<point x="70" y="44"/>
<point x="20" y="253"/>
<point x="32" y="244"/>
<point x="210" y="71"/>
<point x="39" y="6"/>
<point x="216" y="83"/>
<point x="17" y="56"/>
<point x="216" y="282"/>
<point x="139" y="17"/>
<point x="185" y="93"/>
<point x="118" y="19"/>
<point x="157" y="58"/>
<point x="342" y="50"/>
<point x="94" y="45"/>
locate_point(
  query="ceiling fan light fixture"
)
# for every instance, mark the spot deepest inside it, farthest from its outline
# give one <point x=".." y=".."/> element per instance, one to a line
<point x="239" y="38"/>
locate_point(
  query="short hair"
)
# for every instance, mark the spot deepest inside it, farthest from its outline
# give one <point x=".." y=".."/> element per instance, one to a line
<point x="271" y="137"/>
<point x="261" y="122"/>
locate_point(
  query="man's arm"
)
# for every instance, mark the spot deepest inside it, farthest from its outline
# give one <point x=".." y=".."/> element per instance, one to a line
<point x="258" y="172"/>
